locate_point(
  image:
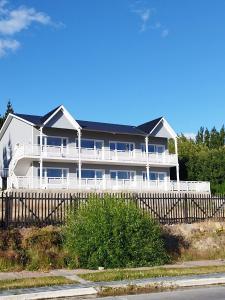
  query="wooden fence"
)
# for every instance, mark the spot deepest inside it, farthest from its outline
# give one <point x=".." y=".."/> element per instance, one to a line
<point x="41" y="209"/>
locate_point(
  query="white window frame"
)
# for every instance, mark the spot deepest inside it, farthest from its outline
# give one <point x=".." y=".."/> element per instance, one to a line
<point x="122" y="142"/>
<point x="122" y="171"/>
<point x="53" y="168"/>
<point x="93" y="140"/>
<point x="144" y="173"/>
<point x="155" y="145"/>
<point x="53" y="136"/>
<point x="88" y="169"/>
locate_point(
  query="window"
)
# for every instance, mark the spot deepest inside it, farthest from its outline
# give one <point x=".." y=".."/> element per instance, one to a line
<point x="156" y="176"/>
<point x="53" y="141"/>
<point x="121" y="146"/>
<point x="91" y="144"/>
<point x="85" y="173"/>
<point x="53" y="172"/>
<point x="153" y="148"/>
<point x="127" y="175"/>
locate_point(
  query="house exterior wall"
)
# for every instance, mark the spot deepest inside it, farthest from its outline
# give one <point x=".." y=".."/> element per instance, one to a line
<point x="105" y="137"/>
<point x="106" y="168"/>
<point x="17" y="132"/>
<point x="59" y="121"/>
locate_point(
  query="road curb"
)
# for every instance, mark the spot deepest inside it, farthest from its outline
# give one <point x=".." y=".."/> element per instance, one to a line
<point x="165" y="282"/>
<point x="52" y="294"/>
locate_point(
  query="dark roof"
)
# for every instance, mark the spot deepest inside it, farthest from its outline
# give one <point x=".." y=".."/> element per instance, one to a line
<point x="36" y="120"/>
<point x="108" y="127"/>
<point x="142" y="129"/>
<point x="147" y="127"/>
<point x="45" y="117"/>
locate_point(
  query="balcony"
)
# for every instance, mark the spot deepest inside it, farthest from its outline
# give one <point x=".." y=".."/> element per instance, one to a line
<point x="87" y="184"/>
<point x="105" y="155"/>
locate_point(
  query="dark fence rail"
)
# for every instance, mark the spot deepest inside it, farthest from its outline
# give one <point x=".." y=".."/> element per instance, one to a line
<point x="41" y="209"/>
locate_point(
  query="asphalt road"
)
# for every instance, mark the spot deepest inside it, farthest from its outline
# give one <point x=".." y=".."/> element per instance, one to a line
<point x="204" y="293"/>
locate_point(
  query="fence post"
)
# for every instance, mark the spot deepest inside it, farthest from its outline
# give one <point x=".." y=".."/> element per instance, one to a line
<point x="185" y="208"/>
<point x="8" y="210"/>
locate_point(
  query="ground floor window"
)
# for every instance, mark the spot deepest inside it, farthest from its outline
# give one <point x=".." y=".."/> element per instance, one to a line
<point x="155" y="176"/>
<point x="54" y="172"/>
<point x="91" y="174"/>
<point x="128" y="175"/>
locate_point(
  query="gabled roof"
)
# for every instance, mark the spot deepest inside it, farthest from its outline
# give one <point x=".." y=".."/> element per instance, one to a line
<point x="149" y="126"/>
<point x="36" y="120"/>
<point x="45" y="117"/>
<point x="143" y="129"/>
<point x="108" y="127"/>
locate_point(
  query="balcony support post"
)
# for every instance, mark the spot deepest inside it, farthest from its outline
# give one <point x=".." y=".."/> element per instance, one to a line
<point x="79" y="156"/>
<point x="147" y="158"/>
<point x="41" y="156"/>
<point x="177" y="165"/>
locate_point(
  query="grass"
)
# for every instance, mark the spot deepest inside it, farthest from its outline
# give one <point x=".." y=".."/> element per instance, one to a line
<point x="125" y="274"/>
<point x="34" y="282"/>
<point x="132" y="290"/>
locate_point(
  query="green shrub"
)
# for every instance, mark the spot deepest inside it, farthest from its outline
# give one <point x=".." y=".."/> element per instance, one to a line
<point x="111" y="233"/>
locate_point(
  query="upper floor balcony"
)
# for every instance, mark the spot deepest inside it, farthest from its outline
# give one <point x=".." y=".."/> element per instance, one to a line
<point x="103" y="155"/>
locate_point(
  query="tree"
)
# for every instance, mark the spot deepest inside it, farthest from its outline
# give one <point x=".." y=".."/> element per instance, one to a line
<point x="222" y="136"/>
<point x="9" y="109"/>
<point x="214" y="139"/>
<point x="207" y="137"/>
<point x="200" y="136"/>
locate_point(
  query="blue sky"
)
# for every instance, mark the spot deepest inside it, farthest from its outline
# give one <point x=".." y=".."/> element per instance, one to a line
<point x="116" y="60"/>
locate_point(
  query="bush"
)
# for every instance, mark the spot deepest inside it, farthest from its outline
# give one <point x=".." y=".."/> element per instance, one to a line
<point x="111" y="233"/>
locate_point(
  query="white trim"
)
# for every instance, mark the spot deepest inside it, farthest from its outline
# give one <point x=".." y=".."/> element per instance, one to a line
<point x="88" y="169"/>
<point x="69" y="117"/>
<point x="10" y="115"/>
<point x="44" y="136"/>
<point x="167" y="126"/>
<point x="122" y="142"/>
<point x="135" y="174"/>
<point x="53" y="168"/>
<point x="155" y="126"/>
<point x="157" y="145"/>
<point x="155" y="172"/>
<point x="21" y="119"/>
<point x="90" y="139"/>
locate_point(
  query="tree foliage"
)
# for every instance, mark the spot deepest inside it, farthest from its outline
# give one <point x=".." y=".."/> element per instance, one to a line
<point x="203" y="159"/>
<point x="112" y="233"/>
<point x="9" y="109"/>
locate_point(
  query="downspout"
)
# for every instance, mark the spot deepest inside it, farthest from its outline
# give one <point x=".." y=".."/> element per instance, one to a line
<point x="147" y="158"/>
<point x="79" y="156"/>
<point x="41" y="157"/>
<point x="177" y="165"/>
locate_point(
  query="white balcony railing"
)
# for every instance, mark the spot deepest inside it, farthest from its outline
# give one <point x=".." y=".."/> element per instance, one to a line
<point x="105" y="154"/>
<point x="90" y="184"/>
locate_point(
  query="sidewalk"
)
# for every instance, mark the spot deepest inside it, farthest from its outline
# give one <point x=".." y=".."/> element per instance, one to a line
<point x="66" y="272"/>
<point x="84" y="288"/>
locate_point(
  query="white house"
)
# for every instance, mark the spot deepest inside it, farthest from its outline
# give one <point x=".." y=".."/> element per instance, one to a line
<point x="56" y="151"/>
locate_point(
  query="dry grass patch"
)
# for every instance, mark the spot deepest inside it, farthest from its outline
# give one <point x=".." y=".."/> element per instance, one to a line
<point x="34" y="282"/>
<point x="132" y="290"/>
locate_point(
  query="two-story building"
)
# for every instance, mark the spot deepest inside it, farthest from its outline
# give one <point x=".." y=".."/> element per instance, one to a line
<point x="55" y="151"/>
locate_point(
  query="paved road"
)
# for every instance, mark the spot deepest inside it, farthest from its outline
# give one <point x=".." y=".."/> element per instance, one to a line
<point x="208" y="293"/>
